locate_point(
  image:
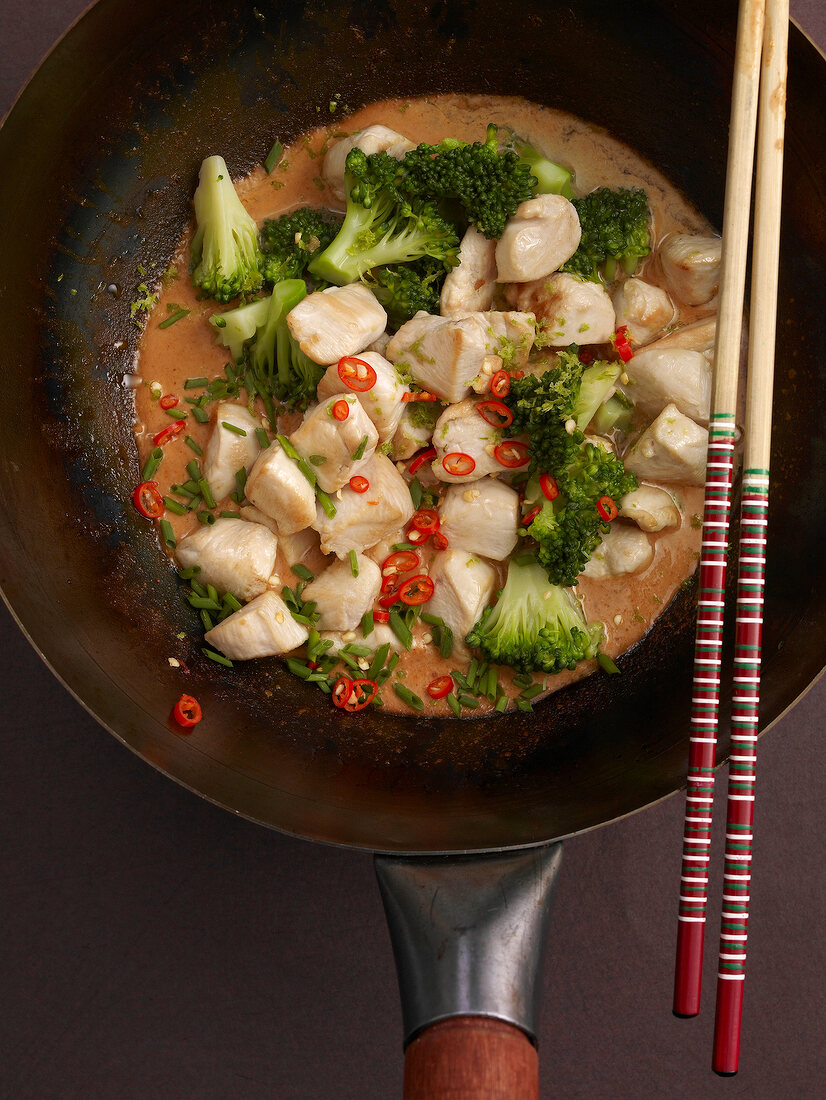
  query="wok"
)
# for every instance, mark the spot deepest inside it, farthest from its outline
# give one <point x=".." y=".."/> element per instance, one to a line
<point x="66" y="466"/>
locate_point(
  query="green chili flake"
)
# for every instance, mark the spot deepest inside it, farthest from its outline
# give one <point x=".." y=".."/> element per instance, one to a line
<point x="606" y="664"/>
<point x="176" y="316"/>
<point x="274" y="156"/>
<point x="152" y="463"/>
<point x="193" y="446"/>
<point x="218" y="658"/>
<point x="408" y="696"/>
<point x="167" y="534"/>
<point x="354" y="565"/>
<point x="233" y="428"/>
<point x="263" y="438"/>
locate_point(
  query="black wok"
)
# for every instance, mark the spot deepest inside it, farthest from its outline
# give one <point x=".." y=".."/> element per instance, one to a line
<point x="586" y="758"/>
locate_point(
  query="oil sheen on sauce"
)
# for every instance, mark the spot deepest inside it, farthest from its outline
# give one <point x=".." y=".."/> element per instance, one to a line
<point x="627" y="605"/>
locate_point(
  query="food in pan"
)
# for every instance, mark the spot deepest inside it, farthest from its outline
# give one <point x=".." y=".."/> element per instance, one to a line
<point x="425" y="403"/>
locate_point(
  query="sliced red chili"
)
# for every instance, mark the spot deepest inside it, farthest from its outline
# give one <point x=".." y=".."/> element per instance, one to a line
<point x="168" y="401"/>
<point x="607" y="508"/>
<point x="421" y="395"/>
<point x="381" y="616"/>
<point x="148" y="500"/>
<point x="363" y="694"/>
<point x="548" y="486"/>
<point x="169" y="433"/>
<point x="440" y="687"/>
<point x="459" y="464"/>
<point x="417" y="537"/>
<point x="187" y="712"/>
<point x="402" y="561"/>
<point x="512" y="453"/>
<point x="342" y="690"/>
<point x="528" y="519"/>
<point x="417" y="590"/>
<point x="495" y="413"/>
<point x="356" y="374"/>
<point x="500" y="383"/>
<point x="440" y="541"/>
<point x="426" y="520"/>
<point x="587" y="357"/>
<point x="359" y="484"/>
<point x="420" y="459"/>
<point x="388" y="583"/>
<point x="341" y="410"/>
<point x="624" y="349"/>
<point x="390" y="598"/>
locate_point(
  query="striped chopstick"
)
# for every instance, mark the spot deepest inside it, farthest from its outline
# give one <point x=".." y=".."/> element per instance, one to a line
<point x="752" y="557"/>
<point x="691" y="917"/>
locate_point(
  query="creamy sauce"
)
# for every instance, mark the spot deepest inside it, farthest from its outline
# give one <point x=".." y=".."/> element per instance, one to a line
<point x="628" y="604"/>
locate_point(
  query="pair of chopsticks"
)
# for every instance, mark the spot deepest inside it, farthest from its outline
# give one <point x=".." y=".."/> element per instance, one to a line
<point x="758" y="106"/>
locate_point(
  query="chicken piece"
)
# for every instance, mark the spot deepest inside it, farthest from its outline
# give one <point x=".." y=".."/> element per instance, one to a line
<point x="470" y="285"/>
<point x="481" y="519"/>
<point x="253" y="515"/>
<point x="362" y="519"/>
<point x="380" y="344"/>
<point x="643" y="308"/>
<point x="372" y="139"/>
<point x="341" y="598"/>
<point x="302" y="548"/>
<point x="543" y="233"/>
<point x="263" y="628"/>
<point x="464" y="586"/>
<point x="227" y="451"/>
<point x="691" y="265"/>
<point x="320" y="434"/>
<point x="572" y="311"/>
<point x="670" y="376"/>
<point x="698" y="336"/>
<point x="234" y="555"/>
<point x="383" y="402"/>
<point x="624" y="549"/>
<point x="446" y="356"/>
<point x="650" y="507"/>
<point x="341" y="320"/>
<point x="462" y="430"/>
<point x="381" y="550"/>
<point x="415" y="428"/>
<point x="278" y="488"/>
<point x="673" y="448"/>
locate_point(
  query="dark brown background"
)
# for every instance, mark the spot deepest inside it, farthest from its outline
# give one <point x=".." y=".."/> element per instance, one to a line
<point x="153" y="946"/>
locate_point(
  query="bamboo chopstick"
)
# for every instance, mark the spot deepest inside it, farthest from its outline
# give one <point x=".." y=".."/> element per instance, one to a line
<point x="752" y="558"/>
<point x="720" y="468"/>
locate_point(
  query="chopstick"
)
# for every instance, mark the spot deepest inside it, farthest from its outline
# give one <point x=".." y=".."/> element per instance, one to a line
<point x="720" y="469"/>
<point x="752" y="556"/>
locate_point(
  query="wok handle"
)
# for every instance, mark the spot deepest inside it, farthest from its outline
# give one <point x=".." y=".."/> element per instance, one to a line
<point x="471" y="1058"/>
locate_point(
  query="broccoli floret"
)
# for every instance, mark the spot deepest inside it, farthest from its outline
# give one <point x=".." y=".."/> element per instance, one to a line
<point x="289" y="243"/>
<point x="236" y="327"/>
<point x="551" y="178"/>
<point x="406" y="288"/>
<point x="569" y="528"/>
<point x="615" y="230"/>
<point x="382" y="227"/>
<point x="488" y="183"/>
<point x="535" y="625"/>
<point x="226" y="260"/>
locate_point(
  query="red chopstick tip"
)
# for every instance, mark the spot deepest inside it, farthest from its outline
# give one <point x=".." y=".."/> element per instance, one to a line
<point x="684" y="1015"/>
<point x="725" y="1072"/>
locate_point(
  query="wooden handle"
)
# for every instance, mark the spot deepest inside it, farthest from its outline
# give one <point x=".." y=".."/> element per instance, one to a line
<point x="471" y="1058"/>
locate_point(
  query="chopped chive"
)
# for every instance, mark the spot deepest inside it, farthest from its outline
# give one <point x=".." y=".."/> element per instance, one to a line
<point x="524" y="704"/>
<point x="167" y="534"/>
<point x="218" y="658"/>
<point x="240" y="485"/>
<point x="182" y="491"/>
<point x="174" y="506"/>
<point x="177" y="413"/>
<point x="523" y="680"/>
<point x="404" y="546"/>
<point x="354" y="565"/>
<point x="212" y="592"/>
<point x="152" y="463"/>
<point x="446" y="642"/>
<point x="231" y="602"/>
<point x="233" y="428"/>
<point x="194" y="471"/>
<point x="326" y="503"/>
<point x="359" y="451"/>
<point x="502" y="703"/>
<point x="318" y="460"/>
<point x="205" y="619"/>
<point x="349" y="661"/>
<point x="469" y="701"/>
<point x="195" y="383"/>
<point x="401" y="629"/>
<point x="207" y="518"/>
<point x="431" y="620"/>
<point x="198" y="588"/>
<point x="289" y="449"/>
<point x="379" y="657"/>
<point x="206" y="493"/>
<point x="302" y="571"/>
<point x="193" y="504"/>
<point x="190" y="572"/>
<point x="357" y="650"/>
<point x="263" y="438"/>
<point x="531" y="692"/>
<point x="200" y="415"/>
<point x="176" y="316"/>
<point x="454" y="705"/>
<point x="408" y="696"/>
<point x="416" y="492"/>
<point x="606" y="664"/>
<point x="193" y="446"/>
<point x="298" y="668"/>
<point x="493" y="684"/>
<point x="471" y="673"/>
<point x="230" y="515"/>
<point x="367" y="623"/>
<point x="274" y="156"/>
